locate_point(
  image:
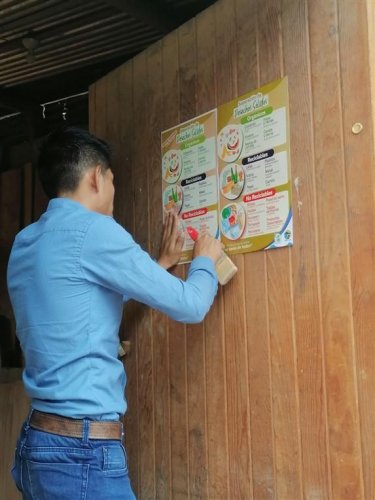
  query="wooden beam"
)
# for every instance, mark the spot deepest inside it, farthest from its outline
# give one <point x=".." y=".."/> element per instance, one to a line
<point x="70" y="22"/>
<point x="32" y="17"/>
<point x="149" y="13"/>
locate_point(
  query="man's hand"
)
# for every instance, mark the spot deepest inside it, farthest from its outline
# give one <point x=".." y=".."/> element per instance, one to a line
<point x="171" y="243"/>
<point x="208" y="246"/>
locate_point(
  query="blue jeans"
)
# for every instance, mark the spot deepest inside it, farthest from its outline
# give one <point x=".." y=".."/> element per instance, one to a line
<point x="48" y="467"/>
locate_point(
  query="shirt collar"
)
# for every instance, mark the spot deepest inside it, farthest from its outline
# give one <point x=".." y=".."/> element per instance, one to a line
<point x="66" y="203"/>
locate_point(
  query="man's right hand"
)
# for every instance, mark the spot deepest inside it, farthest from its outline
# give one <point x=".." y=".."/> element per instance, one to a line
<point x="208" y="246"/>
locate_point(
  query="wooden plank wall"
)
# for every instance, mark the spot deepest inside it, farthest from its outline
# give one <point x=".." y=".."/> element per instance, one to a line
<point x="273" y="395"/>
<point x="22" y="201"/>
<point x="13" y="410"/>
<point x="10" y="223"/>
<point x="371" y="44"/>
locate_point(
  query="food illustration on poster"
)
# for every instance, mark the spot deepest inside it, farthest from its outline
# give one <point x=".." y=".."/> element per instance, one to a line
<point x="233" y="220"/>
<point x="173" y="199"/>
<point x="172" y="165"/>
<point x="232" y="181"/>
<point x="229" y="143"/>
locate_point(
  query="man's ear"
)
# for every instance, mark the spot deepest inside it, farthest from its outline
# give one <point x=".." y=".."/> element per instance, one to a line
<point x="95" y="178"/>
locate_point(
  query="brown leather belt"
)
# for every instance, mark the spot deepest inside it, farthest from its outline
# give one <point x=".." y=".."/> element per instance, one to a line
<point x="70" y="427"/>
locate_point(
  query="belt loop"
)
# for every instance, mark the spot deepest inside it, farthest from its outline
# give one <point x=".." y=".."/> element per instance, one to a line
<point x="86" y="430"/>
<point x="23" y="436"/>
<point x="27" y="421"/>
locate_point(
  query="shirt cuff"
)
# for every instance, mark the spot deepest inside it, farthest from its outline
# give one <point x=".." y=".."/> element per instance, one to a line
<point x="203" y="262"/>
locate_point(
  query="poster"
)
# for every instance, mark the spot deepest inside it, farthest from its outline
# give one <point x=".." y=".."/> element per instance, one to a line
<point x="254" y="170"/>
<point x="227" y="172"/>
<point x="189" y="176"/>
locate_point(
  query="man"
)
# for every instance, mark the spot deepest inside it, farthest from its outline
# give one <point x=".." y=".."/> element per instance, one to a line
<point x="68" y="276"/>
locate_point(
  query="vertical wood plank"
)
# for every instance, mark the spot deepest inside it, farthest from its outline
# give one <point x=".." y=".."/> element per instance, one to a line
<point x="27" y="180"/>
<point x="256" y="296"/>
<point x="371" y="48"/>
<point x="146" y="487"/>
<point x="196" y="427"/>
<point x="359" y="149"/>
<point x="124" y="211"/>
<point x="238" y="417"/>
<point x="40" y="200"/>
<point x="177" y="339"/>
<point x="215" y="388"/>
<point x="305" y="258"/>
<point x="335" y="271"/>
<point x="92" y="110"/>
<point x="10" y="214"/>
<point x="14" y="405"/>
<point x="10" y="219"/>
<point x="101" y="108"/>
<point x="333" y="248"/>
<point x="112" y="116"/>
<point x="159" y="320"/>
<point x="119" y="134"/>
<point x="124" y="205"/>
<point x="282" y="340"/>
<point x="261" y="456"/>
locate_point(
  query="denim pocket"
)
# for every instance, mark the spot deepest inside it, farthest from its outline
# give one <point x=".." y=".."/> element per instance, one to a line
<point x="56" y="467"/>
<point x="65" y="481"/>
<point x="16" y="471"/>
<point x="115" y="462"/>
<point x="17" y="464"/>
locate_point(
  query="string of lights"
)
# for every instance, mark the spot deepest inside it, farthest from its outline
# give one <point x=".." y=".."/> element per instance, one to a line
<point x="64" y="101"/>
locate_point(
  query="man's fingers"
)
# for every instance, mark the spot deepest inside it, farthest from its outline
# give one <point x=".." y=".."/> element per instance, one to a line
<point x="172" y="241"/>
<point x="174" y="225"/>
<point x="167" y="226"/>
<point x="180" y="242"/>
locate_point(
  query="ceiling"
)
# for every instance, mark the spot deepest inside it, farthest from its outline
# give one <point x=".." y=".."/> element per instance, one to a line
<point x="54" y="49"/>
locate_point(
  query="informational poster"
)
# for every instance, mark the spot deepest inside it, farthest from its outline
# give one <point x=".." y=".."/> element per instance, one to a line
<point x="227" y="172"/>
<point x="189" y="176"/>
<point x="254" y="170"/>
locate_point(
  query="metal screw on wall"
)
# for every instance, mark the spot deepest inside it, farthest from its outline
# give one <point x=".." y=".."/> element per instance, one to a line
<point x="357" y="128"/>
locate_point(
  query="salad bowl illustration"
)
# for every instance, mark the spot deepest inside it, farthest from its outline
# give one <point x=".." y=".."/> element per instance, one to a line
<point x="232" y="180"/>
<point x="173" y="199"/>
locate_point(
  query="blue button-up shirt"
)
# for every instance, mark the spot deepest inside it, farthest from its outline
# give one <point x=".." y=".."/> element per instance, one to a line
<point x="68" y="276"/>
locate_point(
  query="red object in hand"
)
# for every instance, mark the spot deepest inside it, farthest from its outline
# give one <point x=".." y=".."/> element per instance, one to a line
<point x="193" y="233"/>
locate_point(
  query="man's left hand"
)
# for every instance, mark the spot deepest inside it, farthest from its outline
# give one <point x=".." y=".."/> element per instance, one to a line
<point x="172" y="242"/>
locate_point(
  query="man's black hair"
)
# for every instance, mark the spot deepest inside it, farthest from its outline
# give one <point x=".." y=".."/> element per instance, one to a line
<point x="66" y="155"/>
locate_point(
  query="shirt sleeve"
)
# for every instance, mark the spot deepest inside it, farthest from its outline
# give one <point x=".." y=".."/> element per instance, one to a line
<point x="111" y="258"/>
